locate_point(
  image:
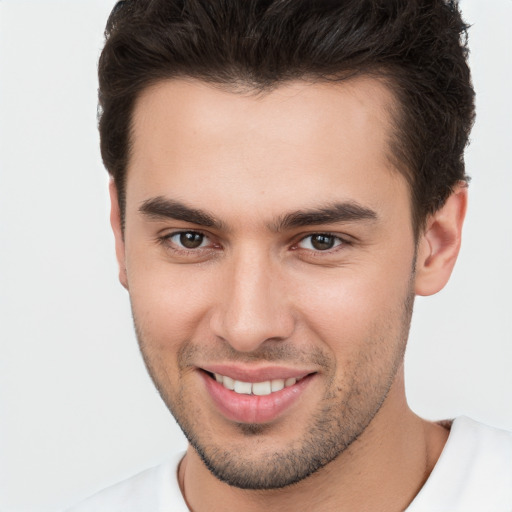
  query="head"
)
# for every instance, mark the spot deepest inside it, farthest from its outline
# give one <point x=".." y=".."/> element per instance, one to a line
<point x="287" y="175"/>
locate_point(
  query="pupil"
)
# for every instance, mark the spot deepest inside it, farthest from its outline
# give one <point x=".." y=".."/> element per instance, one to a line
<point x="191" y="240"/>
<point x="322" y="242"/>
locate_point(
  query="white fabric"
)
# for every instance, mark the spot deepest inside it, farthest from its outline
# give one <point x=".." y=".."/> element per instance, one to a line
<point x="473" y="474"/>
<point x="154" y="490"/>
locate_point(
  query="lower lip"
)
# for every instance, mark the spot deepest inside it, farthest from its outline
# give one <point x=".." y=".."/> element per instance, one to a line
<point x="253" y="408"/>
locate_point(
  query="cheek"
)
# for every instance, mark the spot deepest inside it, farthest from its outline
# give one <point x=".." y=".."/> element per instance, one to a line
<point x="168" y="302"/>
<point x="350" y="310"/>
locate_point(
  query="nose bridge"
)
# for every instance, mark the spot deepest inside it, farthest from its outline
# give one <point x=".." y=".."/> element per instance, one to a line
<point x="252" y="308"/>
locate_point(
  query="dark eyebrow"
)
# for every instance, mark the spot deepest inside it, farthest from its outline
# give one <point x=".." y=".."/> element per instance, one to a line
<point x="337" y="212"/>
<point x="158" y="208"/>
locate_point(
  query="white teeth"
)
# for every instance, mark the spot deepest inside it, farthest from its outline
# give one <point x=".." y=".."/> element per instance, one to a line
<point x="256" y="388"/>
<point x="262" y="388"/>
<point x="244" y="388"/>
<point x="228" y="383"/>
<point x="277" y="384"/>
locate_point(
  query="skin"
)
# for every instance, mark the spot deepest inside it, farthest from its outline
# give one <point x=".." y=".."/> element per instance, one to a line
<point x="257" y="295"/>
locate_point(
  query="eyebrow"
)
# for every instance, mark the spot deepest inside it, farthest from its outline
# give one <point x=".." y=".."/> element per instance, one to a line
<point x="348" y="211"/>
<point x="159" y="208"/>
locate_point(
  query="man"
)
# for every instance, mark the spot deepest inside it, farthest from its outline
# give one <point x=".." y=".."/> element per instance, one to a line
<point x="286" y="176"/>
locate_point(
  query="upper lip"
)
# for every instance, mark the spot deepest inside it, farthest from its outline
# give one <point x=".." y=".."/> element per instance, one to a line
<point x="258" y="374"/>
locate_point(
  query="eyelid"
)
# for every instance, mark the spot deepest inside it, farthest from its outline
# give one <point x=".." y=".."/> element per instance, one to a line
<point x="165" y="239"/>
<point x="341" y="240"/>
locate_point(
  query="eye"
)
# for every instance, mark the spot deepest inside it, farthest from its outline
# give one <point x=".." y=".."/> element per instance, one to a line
<point x="188" y="239"/>
<point x="320" y="242"/>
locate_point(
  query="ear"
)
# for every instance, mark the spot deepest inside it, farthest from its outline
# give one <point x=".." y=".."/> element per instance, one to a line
<point x="438" y="246"/>
<point x="117" y="228"/>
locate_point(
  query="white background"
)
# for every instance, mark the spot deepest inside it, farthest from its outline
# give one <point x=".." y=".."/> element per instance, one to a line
<point x="77" y="411"/>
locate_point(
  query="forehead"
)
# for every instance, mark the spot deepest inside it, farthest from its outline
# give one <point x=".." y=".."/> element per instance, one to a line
<point x="298" y="143"/>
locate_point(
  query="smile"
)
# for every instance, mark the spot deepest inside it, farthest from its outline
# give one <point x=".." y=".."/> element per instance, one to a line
<point x="255" y="388"/>
<point x="261" y="397"/>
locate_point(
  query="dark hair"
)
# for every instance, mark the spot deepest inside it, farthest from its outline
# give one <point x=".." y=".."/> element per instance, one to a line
<point x="419" y="47"/>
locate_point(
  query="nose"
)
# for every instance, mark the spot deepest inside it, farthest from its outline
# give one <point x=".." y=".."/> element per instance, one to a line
<point x="251" y="306"/>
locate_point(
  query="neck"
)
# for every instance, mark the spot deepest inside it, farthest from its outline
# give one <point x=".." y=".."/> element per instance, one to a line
<point x="382" y="470"/>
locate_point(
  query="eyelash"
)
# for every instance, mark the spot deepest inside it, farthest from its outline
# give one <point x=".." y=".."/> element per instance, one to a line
<point x="338" y="241"/>
<point x="167" y="242"/>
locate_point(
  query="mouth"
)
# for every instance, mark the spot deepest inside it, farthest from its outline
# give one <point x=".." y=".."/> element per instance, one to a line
<point x="254" y="399"/>
<point x="263" y="388"/>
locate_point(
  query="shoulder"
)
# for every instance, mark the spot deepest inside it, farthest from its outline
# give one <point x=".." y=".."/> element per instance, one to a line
<point x="473" y="473"/>
<point x="154" y="489"/>
<point x="481" y="446"/>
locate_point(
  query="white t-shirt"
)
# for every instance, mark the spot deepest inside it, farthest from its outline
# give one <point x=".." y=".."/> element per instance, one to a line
<point x="473" y="474"/>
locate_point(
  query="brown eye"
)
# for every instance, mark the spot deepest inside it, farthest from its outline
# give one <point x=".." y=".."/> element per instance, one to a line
<point x="191" y="240"/>
<point x="320" y="242"/>
<point x="188" y="239"/>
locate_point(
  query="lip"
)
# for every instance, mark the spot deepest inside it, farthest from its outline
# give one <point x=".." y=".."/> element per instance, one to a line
<point x="261" y="374"/>
<point x="251" y="408"/>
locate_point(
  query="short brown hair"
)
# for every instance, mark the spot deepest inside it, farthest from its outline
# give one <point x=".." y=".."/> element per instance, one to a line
<point x="418" y="46"/>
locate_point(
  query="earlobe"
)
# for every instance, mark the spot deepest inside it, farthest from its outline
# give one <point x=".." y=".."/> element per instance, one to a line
<point x="117" y="228"/>
<point x="438" y="246"/>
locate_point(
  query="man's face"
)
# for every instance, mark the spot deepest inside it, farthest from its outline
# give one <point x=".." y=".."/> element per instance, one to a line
<point x="268" y="240"/>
